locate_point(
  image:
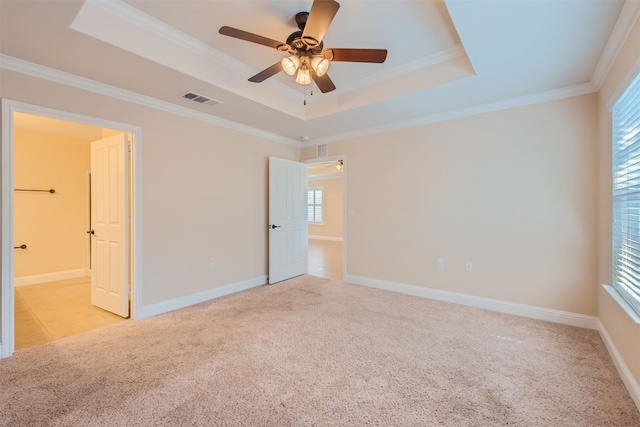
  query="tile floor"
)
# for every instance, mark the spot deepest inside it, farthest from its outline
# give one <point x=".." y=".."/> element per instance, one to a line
<point x="46" y="312"/>
<point x="325" y="259"/>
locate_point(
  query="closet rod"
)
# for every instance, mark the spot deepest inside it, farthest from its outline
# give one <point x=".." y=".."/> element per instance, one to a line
<point x="24" y="189"/>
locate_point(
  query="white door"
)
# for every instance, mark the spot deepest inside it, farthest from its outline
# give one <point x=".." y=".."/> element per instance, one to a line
<point x="109" y="218"/>
<point x="287" y="219"/>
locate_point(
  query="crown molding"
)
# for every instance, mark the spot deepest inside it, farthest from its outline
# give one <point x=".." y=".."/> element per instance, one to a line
<point x="520" y="101"/>
<point x="166" y="32"/>
<point x="627" y="19"/>
<point x="401" y="70"/>
<point x="50" y="74"/>
<point x="140" y="20"/>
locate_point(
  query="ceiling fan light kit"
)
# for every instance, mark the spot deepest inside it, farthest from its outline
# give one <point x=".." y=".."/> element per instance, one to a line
<point x="304" y="74"/>
<point x="307" y="59"/>
<point x="320" y="65"/>
<point x="290" y="64"/>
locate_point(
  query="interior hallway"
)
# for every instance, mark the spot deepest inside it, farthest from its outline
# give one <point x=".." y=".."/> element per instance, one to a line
<point x="325" y="259"/>
<point x="46" y="312"/>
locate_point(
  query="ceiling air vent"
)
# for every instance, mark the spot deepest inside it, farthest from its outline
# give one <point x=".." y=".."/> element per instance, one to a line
<point x="200" y="99"/>
<point x="322" y="150"/>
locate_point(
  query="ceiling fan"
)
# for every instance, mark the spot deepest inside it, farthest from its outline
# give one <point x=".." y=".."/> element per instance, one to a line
<point x="308" y="59"/>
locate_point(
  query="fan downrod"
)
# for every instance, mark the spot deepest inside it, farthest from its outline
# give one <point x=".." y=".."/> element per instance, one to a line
<point x="301" y="20"/>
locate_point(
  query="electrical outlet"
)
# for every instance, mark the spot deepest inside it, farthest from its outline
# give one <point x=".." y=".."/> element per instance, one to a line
<point x="469" y="266"/>
<point x="440" y="263"/>
<point x="212" y="262"/>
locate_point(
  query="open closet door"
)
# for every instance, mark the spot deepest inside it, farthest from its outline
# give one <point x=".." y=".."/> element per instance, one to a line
<point x="109" y="222"/>
<point x="287" y="219"/>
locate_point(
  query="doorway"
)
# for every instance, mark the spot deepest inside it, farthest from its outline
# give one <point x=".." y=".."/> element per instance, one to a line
<point x="30" y="289"/>
<point x="326" y="201"/>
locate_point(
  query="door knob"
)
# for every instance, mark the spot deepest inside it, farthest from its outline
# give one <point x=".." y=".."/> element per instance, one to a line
<point x="91" y="232"/>
<point x="273" y="226"/>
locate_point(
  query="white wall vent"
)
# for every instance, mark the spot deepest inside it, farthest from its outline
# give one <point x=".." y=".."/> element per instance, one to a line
<point x="322" y="150"/>
<point x="200" y="99"/>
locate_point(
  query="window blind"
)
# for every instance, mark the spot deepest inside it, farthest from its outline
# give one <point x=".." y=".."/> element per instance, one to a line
<point x="314" y="205"/>
<point x="626" y="194"/>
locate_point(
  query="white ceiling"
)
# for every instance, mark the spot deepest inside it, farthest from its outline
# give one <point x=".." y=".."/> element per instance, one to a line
<point x="446" y="58"/>
<point x="322" y="170"/>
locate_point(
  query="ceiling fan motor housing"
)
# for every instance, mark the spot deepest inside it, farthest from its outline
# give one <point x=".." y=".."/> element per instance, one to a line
<point x="310" y="42"/>
<point x="307" y="45"/>
<point x="295" y="41"/>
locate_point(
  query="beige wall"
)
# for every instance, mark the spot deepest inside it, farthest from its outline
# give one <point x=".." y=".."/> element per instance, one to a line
<point x="204" y="190"/>
<point x="53" y="226"/>
<point x="624" y="332"/>
<point x="511" y="191"/>
<point x="333" y="208"/>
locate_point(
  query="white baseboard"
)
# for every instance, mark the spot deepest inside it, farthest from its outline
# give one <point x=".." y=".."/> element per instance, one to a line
<point x="185" y="301"/>
<point x="557" y="316"/>
<point x="330" y="238"/>
<point x="624" y="371"/>
<point x="50" y="277"/>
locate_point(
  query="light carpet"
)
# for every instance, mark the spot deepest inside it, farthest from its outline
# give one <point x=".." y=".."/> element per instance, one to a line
<point x="310" y="351"/>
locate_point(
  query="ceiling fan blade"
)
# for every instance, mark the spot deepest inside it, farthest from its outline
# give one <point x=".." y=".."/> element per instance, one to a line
<point x="324" y="83"/>
<point x="320" y="17"/>
<point x="250" y="37"/>
<point x="266" y="73"/>
<point x="359" y="55"/>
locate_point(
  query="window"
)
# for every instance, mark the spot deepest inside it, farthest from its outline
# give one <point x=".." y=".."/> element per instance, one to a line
<point x="314" y="205"/>
<point x="626" y="194"/>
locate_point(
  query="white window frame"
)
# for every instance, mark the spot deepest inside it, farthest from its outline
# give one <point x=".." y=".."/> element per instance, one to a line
<point x="626" y="195"/>
<point x="321" y="205"/>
